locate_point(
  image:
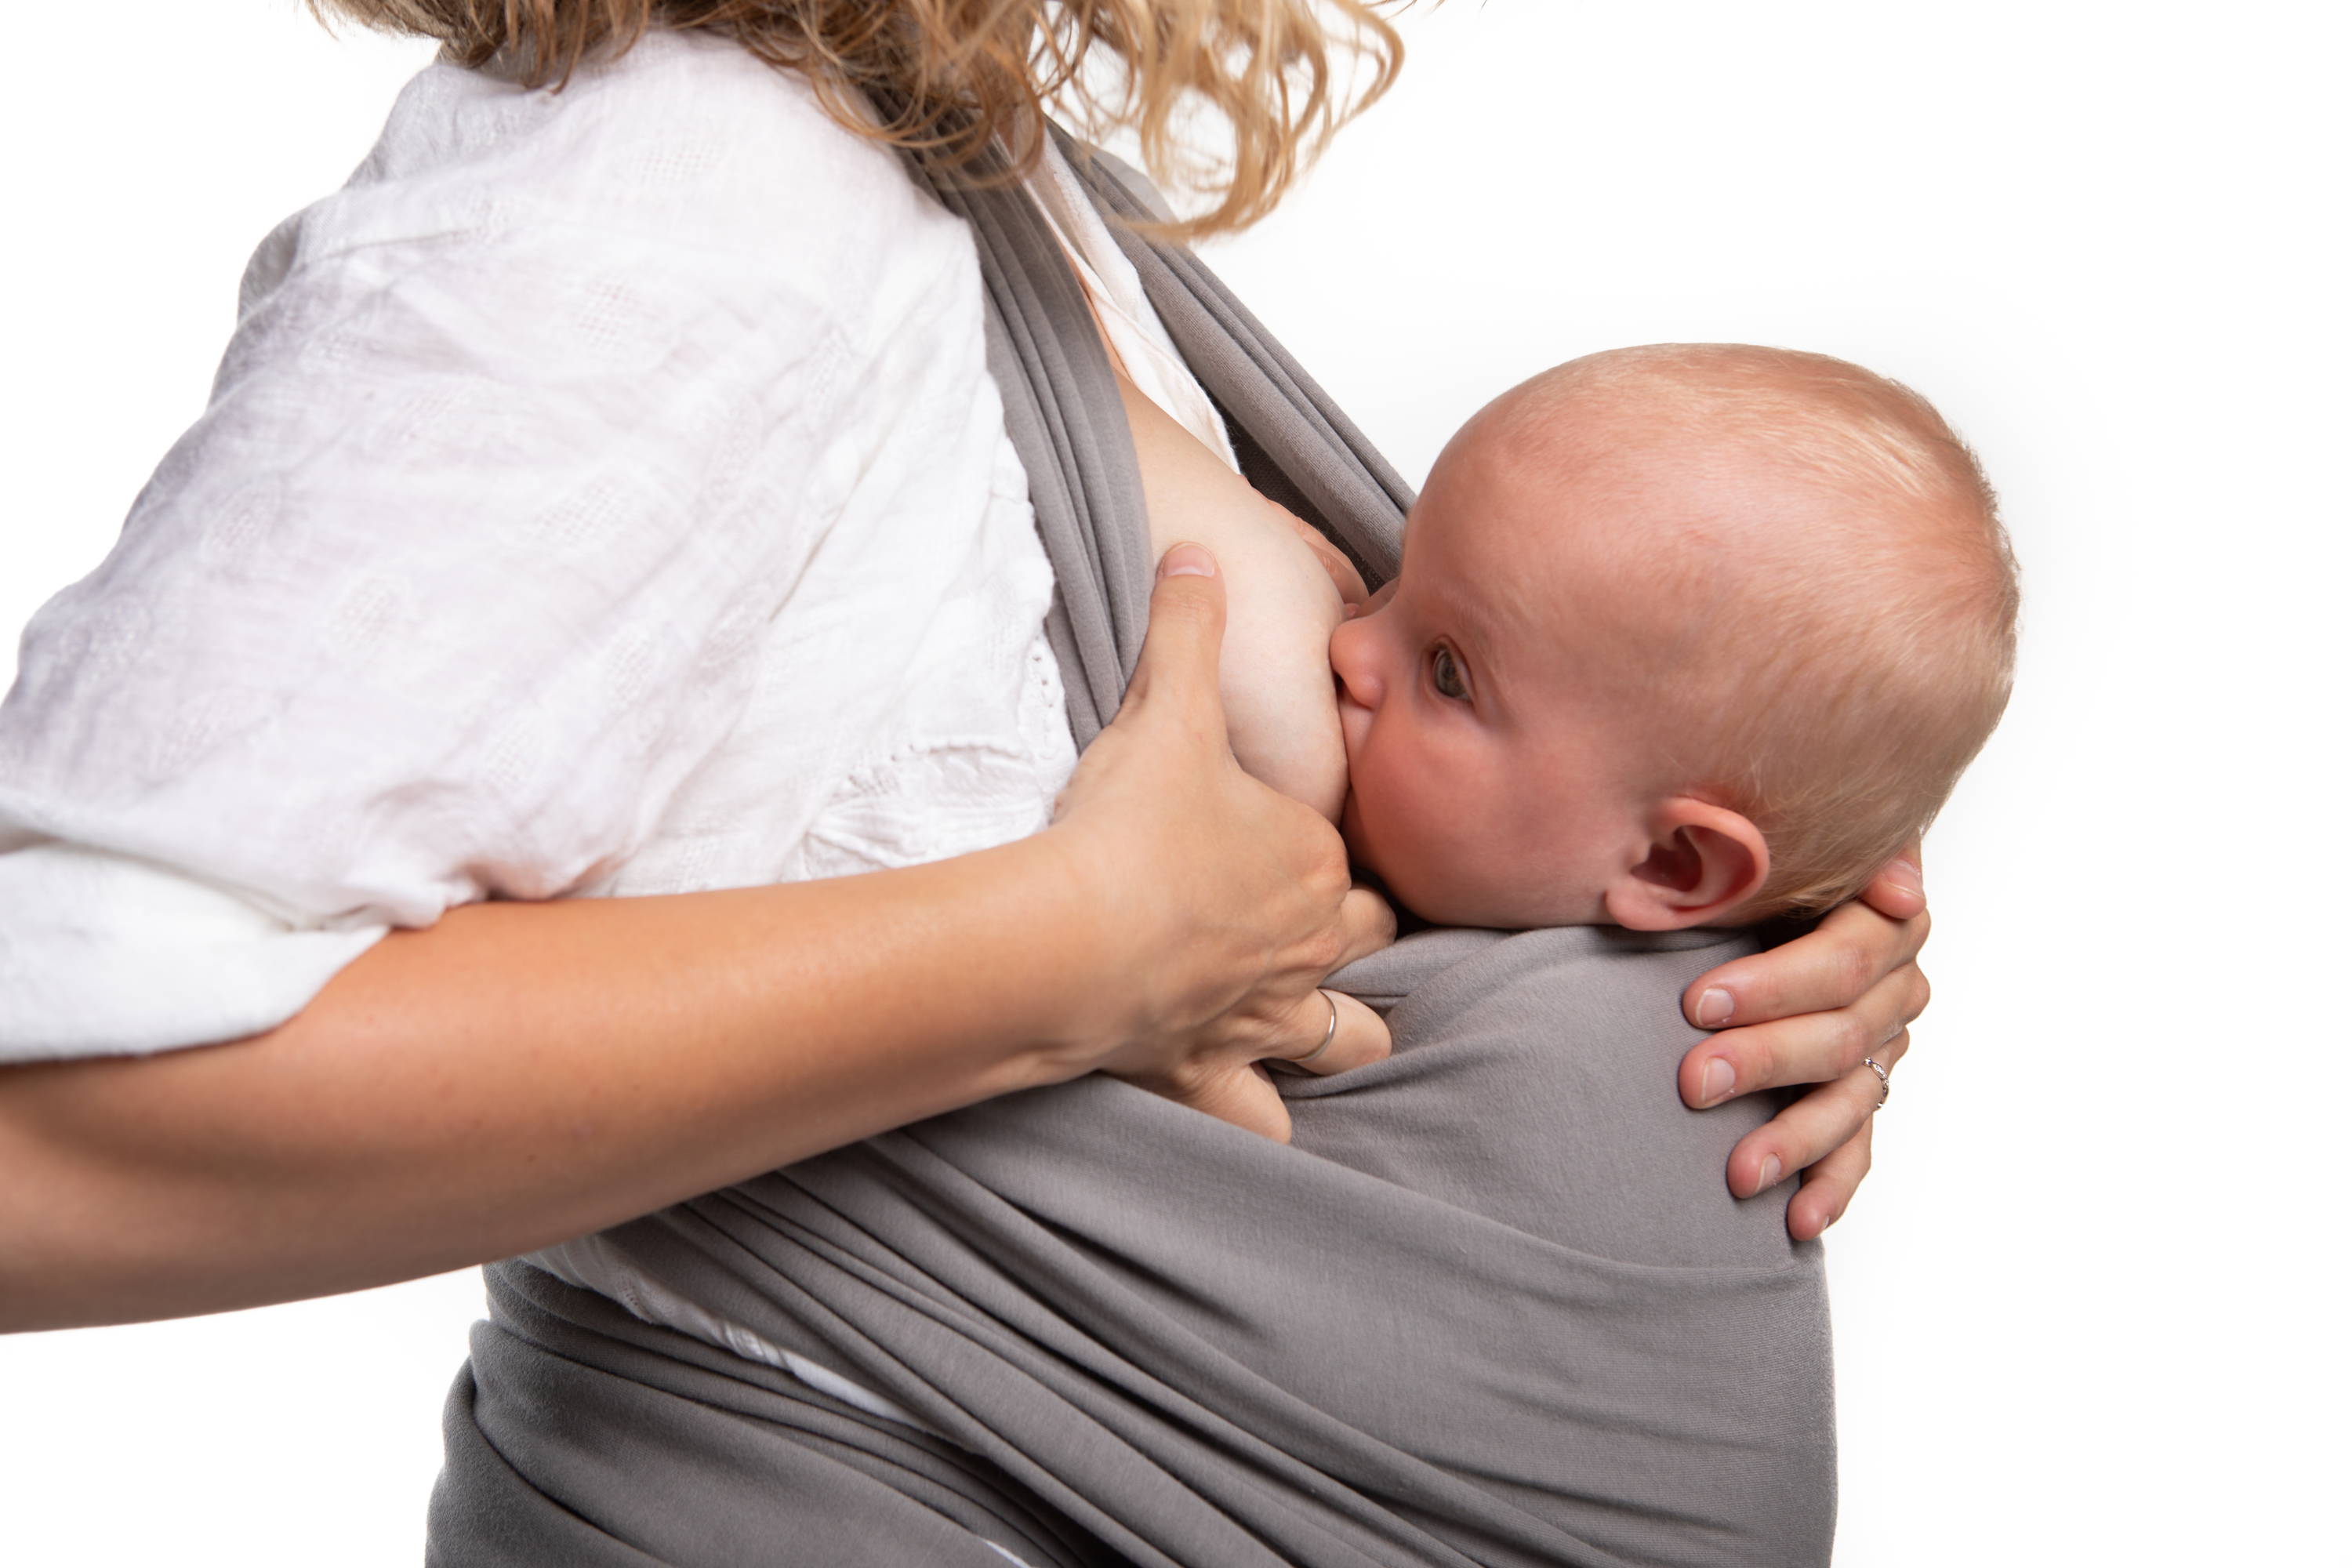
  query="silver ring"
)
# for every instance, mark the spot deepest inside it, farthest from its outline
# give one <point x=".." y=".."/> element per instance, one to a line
<point x="1883" y="1089"/>
<point x="1330" y="1030"/>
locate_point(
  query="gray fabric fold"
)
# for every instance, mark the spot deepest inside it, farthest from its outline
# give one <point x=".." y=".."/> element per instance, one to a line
<point x="1492" y="1306"/>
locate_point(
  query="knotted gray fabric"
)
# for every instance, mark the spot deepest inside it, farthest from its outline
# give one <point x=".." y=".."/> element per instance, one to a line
<point x="1492" y="1306"/>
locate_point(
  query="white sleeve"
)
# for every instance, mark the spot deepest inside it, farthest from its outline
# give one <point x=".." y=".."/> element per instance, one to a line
<point x="460" y="574"/>
<point x="103" y="955"/>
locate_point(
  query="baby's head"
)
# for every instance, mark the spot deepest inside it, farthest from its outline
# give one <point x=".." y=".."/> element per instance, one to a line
<point x="1687" y="635"/>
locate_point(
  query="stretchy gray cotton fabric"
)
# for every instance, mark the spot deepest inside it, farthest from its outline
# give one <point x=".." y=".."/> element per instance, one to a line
<point x="1492" y="1306"/>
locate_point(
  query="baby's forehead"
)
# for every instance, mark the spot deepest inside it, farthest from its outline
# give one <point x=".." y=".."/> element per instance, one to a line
<point x="1612" y="498"/>
<point x="1627" y="476"/>
<point x="1639" y="551"/>
<point x="1534" y="579"/>
<point x="1781" y="424"/>
<point x="1613" y="449"/>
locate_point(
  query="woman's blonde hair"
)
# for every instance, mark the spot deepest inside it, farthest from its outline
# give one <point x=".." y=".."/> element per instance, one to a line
<point x="954" y="78"/>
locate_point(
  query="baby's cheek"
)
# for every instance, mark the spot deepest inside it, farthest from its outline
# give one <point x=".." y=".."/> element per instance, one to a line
<point x="1397" y="834"/>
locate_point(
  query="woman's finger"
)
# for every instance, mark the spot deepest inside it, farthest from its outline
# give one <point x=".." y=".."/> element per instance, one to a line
<point x="1367" y="924"/>
<point x="1900" y="889"/>
<point x="1181" y="640"/>
<point x="1241" y="1093"/>
<point x="1813" y="1047"/>
<point x="1342" y="1034"/>
<point x="1852" y="949"/>
<point x="1808" y="1130"/>
<point x="1337" y="1033"/>
<point x="1830" y="1184"/>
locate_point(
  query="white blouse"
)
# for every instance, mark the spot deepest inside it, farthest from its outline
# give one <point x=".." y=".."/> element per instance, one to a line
<point x="604" y="493"/>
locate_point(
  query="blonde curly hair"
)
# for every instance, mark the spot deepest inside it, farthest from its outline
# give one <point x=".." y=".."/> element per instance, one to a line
<point x="955" y="78"/>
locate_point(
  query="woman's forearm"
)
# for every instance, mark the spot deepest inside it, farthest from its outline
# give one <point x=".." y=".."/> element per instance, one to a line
<point x="521" y="1073"/>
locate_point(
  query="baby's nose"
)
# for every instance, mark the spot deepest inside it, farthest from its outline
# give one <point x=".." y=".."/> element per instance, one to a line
<point x="1355" y="663"/>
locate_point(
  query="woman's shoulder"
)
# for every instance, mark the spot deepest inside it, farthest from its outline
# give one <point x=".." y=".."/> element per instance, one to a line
<point x="685" y="139"/>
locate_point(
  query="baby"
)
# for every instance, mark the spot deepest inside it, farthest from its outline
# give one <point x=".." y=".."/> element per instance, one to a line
<point x="1688" y="634"/>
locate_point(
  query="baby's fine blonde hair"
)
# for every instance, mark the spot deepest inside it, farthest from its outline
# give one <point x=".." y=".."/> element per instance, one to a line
<point x="1859" y="629"/>
<point x="1273" y="79"/>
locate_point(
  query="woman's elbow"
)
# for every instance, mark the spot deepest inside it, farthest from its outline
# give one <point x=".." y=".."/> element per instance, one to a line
<point x="56" y="1234"/>
<point x="102" y="1217"/>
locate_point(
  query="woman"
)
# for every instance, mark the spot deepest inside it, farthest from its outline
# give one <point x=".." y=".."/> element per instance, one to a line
<point x="735" y="408"/>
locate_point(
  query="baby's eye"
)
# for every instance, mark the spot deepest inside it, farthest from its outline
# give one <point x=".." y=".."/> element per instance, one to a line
<point x="1446" y="674"/>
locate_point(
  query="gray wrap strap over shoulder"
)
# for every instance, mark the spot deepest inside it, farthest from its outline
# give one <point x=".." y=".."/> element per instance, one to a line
<point x="1492" y="1306"/>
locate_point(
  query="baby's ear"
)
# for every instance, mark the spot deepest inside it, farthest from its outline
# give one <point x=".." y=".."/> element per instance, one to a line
<point x="1703" y="863"/>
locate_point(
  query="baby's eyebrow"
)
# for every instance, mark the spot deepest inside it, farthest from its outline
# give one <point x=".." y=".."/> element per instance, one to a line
<point x="1488" y="673"/>
<point x="1471" y="627"/>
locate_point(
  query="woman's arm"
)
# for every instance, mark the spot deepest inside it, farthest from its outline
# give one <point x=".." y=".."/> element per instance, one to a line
<point x="524" y="1072"/>
<point x="1809" y="1012"/>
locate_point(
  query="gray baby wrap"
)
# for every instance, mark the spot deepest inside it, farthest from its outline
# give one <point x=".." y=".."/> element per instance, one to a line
<point x="1492" y="1306"/>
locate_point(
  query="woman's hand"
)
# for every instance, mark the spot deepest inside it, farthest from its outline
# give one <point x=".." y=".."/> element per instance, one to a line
<point x="1809" y="1012"/>
<point x="1229" y="902"/>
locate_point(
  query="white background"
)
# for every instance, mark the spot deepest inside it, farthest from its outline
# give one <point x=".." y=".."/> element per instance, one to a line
<point x="2090" y="1308"/>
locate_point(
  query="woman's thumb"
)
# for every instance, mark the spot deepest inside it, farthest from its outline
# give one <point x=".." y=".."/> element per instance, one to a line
<point x="1186" y="630"/>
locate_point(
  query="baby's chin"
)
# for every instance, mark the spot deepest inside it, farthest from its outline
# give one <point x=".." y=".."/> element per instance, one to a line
<point x="1432" y="899"/>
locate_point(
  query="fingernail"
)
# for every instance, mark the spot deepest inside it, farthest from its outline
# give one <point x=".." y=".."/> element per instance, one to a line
<point x="1769" y="1176"/>
<point x="1714" y="1008"/>
<point x="1908" y="874"/>
<point x="1187" y="561"/>
<point x="1715" y="1082"/>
